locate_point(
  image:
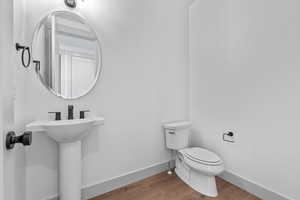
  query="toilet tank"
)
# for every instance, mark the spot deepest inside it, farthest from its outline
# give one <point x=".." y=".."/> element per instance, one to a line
<point x="177" y="134"/>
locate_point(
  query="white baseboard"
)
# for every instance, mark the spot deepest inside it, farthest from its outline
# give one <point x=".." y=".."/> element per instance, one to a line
<point x="253" y="188"/>
<point x="97" y="189"/>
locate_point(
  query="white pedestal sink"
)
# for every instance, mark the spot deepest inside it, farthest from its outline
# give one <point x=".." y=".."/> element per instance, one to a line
<point x="68" y="133"/>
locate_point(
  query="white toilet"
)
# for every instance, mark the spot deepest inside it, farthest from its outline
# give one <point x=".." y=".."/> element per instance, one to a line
<point x="196" y="166"/>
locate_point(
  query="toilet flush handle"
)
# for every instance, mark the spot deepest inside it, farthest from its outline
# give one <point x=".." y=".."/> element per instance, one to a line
<point x="171" y="131"/>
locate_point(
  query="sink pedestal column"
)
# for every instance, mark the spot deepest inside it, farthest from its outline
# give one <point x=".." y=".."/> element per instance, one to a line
<point x="70" y="171"/>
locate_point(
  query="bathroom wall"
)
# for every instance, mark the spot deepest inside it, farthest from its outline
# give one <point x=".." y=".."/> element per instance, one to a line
<point x="143" y="84"/>
<point x="244" y="69"/>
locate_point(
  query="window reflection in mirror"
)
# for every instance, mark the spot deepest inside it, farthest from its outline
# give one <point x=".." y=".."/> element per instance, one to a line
<point x="69" y="54"/>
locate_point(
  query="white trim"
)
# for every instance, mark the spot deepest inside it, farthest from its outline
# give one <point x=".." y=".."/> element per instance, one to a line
<point x="252" y="187"/>
<point x="98" y="188"/>
<point x="1" y="157"/>
<point x="5" y="51"/>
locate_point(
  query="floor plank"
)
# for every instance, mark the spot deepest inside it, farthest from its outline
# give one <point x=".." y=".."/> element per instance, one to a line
<point x="169" y="187"/>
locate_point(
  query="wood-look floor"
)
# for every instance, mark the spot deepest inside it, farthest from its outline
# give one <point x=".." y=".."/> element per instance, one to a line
<point x="169" y="187"/>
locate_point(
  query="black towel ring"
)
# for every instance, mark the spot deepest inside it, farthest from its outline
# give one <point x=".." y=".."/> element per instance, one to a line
<point x="24" y="49"/>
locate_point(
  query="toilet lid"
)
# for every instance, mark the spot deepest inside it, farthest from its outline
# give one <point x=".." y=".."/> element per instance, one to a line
<point x="202" y="155"/>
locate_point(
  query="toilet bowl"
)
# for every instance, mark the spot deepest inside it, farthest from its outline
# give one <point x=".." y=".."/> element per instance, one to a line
<point x="196" y="166"/>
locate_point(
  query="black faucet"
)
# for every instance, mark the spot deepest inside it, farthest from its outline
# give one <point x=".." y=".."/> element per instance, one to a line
<point x="82" y="114"/>
<point x="57" y="115"/>
<point x="70" y="112"/>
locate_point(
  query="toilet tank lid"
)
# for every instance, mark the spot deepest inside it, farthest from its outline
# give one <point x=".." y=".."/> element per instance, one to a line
<point x="177" y="125"/>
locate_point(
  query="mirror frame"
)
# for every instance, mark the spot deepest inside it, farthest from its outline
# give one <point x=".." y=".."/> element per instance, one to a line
<point x="100" y="63"/>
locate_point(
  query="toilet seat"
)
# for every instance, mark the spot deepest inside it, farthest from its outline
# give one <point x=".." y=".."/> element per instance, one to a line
<point x="201" y="156"/>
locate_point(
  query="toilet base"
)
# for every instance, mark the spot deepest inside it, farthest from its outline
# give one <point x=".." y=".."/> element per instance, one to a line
<point x="202" y="183"/>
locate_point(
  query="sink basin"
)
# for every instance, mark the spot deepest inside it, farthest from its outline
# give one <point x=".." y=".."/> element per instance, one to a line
<point x="68" y="134"/>
<point x="66" y="130"/>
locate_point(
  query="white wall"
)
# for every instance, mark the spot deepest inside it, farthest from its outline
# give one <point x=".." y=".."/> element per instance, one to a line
<point x="144" y="83"/>
<point x="244" y="63"/>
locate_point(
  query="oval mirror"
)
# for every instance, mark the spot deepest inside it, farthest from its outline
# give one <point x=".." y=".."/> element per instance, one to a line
<point x="67" y="54"/>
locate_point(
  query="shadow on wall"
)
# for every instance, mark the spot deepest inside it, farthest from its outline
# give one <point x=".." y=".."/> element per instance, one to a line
<point x="41" y="159"/>
<point x="93" y="142"/>
<point x="37" y="158"/>
<point x="197" y="138"/>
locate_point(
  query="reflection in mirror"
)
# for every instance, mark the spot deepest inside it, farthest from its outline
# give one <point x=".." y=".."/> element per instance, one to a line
<point x="69" y="54"/>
